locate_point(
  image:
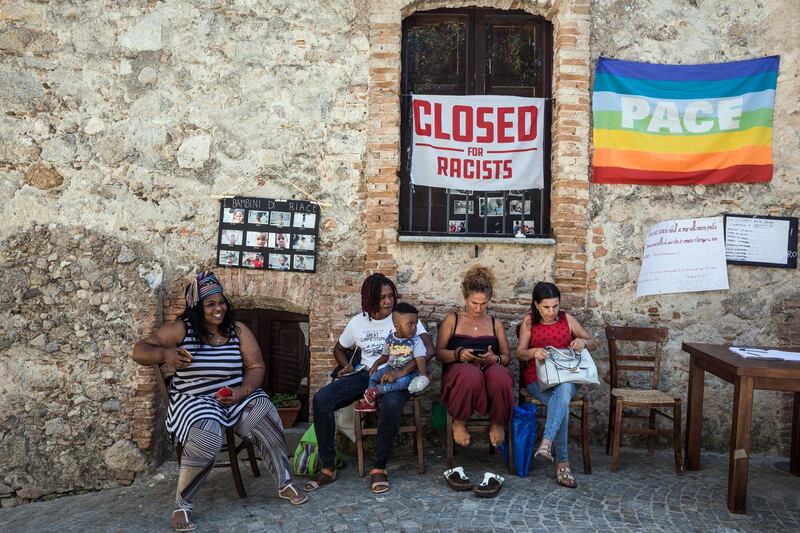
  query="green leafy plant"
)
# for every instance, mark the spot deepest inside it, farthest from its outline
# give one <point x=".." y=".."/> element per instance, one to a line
<point x="285" y="399"/>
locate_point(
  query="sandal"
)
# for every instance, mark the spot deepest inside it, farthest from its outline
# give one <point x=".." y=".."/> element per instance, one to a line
<point x="188" y="524"/>
<point x="290" y="492"/>
<point x="490" y="486"/>
<point x="380" y="483"/>
<point x="457" y="479"/>
<point x="565" y="478"/>
<point x="323" y="478"/>
<point x="544" y="453"/>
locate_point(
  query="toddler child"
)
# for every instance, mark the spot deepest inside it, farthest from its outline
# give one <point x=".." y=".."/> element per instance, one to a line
<point x="404" y="355"/>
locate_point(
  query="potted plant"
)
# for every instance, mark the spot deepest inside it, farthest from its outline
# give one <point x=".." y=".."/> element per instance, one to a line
<point x="288" y="406"/>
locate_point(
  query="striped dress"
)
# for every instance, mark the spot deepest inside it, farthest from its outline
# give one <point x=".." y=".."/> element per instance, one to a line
<point x="191" y="392"/>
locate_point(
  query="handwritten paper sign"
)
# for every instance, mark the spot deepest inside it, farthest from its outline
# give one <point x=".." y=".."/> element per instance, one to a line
<point x="761" y="241"/>
<point x="683" y="256"/>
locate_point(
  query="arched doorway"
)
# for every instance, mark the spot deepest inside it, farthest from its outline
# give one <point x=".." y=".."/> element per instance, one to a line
<point x="284" y="341"/>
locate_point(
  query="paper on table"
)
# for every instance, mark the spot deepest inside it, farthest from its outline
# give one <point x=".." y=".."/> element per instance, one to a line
<point x="788" y="356"/>
<point x="758" y="353"/>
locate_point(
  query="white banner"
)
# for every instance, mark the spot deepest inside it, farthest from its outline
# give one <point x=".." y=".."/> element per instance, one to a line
<point x="478" y="143"/>
<point x="683" y="256"/>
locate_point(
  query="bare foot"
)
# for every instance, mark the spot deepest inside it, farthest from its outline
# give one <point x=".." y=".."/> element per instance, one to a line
<point x="182" y="520"/>
<point x="497" y="434"/>
<point x="460" y="433"/>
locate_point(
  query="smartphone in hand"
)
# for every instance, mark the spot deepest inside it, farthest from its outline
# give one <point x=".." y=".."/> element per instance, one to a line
<point x="479" y="352"/>
<point x="185" y="352"/>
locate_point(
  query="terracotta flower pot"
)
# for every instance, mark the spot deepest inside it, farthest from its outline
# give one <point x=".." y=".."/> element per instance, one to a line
<point x="288" y="415"/>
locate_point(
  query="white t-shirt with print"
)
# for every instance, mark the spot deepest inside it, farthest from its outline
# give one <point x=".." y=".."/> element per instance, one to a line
<point x="370" y="335"/>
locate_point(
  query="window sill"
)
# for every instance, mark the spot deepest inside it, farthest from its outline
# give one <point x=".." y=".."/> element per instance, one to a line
<point x="532" y="241"/>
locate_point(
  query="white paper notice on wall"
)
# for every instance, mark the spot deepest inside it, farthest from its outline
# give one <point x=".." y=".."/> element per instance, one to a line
<point x="761" y="241"/>
<point x="683" y="256"/>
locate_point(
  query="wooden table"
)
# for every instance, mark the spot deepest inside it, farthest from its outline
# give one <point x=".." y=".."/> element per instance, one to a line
<point x="745" y="375"/>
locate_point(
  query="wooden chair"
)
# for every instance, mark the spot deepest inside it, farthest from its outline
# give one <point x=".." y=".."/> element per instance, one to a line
<point x="411" y="408"/>
<point x="642" y="398"/>
<point x="479" y="424"/>
<point x="578" y="403"/>
<point x="228" y="446"/>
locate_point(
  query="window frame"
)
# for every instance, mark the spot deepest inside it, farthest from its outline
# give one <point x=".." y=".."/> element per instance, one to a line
<point x="474" y="83"/>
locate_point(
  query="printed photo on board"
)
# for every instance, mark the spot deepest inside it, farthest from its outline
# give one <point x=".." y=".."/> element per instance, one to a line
<point x="233" y="216"/>
<point x="304" y="262"/>
<point x="303" y="242"/>
<point x="259" y="239"/>
<point x="527" y="227"/>
<point x="228" y="258"/>
<point x="460" y="207"/>
<point x="457" y="226"/>
<point x="253" y="260"/>
<point x="280" y="218"/>
<point x="515" y="207"/>
<point x="305" y="220"/>
<point x="279" y="240"/>
<point x="231" y="237"/>
<point x="279" y="262"/>
<point x="494" y="207"/>
<point x="258" y="217"/>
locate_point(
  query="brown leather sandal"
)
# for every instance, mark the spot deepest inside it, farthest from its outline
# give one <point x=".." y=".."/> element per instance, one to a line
<point x="379" y="481"/>
<point x="323" y="478"/>
<point x="291" y="493"/>
<point x="565" y="478"/>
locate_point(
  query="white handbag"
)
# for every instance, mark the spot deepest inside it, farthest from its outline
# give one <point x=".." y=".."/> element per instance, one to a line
<point x="566" y="366"/>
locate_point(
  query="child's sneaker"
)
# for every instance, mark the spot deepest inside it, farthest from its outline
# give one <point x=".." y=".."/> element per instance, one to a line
<point x="370" y="395"/>
<point x="363" y="406"/>
<point x="418" y="384"/>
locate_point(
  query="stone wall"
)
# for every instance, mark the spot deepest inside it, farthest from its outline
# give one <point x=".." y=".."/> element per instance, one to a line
<point x="122" y="121"/>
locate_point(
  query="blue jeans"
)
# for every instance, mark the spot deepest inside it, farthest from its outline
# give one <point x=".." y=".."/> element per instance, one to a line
<point x="399" y="384"/>
<point x="342" y="393"/>
<point x="556" y="427"/>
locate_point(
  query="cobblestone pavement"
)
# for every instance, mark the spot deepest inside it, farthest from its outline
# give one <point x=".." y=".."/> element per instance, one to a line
<point x="645" y="495"/>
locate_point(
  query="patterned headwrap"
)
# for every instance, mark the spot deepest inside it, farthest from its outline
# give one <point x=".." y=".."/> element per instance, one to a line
<point x="204" y="285"/>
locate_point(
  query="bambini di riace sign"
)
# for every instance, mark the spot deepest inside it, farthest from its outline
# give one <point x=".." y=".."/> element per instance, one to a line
<point x="478" y="142"/>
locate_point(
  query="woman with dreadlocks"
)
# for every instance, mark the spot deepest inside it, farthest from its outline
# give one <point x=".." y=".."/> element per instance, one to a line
<point x="217" y="380"/>
<point x="367" y="331"/>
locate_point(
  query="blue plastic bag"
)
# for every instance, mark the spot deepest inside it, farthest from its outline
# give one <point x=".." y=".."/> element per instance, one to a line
<point x="523" y="426"/>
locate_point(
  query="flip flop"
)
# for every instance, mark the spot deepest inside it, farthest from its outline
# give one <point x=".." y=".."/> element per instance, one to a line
<point x="290" y="492"/>
<point x="379" y="481"/>
<point x="322" y="479"/>
<point x="490" y="486"/>
<point x="190" y="526"/>
<point x="457" y="479"/>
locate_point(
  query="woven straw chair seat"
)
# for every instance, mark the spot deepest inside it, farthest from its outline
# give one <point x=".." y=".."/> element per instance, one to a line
<point x="643" y="396"/>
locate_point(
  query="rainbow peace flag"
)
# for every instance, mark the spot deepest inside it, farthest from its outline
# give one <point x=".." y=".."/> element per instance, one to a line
<point x="683" y="124"/>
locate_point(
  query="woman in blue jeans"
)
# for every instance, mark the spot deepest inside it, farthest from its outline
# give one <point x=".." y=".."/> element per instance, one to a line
<point x="368" y="331"/>
<point x="546" y="325"/>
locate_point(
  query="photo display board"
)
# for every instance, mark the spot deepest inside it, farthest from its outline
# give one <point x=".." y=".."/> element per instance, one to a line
<point x="263" y="233"/>
<point x="761" y="241"/>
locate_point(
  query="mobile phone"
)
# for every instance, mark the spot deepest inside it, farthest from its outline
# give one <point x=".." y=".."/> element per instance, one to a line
<point x="184" y="351"/>
<point x="358" y="368"/>
<point x="479" y="352"/>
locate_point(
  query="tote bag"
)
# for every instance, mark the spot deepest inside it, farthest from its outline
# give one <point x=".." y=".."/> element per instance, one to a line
<point x="566" y="366"/>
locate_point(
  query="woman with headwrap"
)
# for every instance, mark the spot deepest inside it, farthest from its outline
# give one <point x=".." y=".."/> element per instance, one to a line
<point x="212" y="353"/>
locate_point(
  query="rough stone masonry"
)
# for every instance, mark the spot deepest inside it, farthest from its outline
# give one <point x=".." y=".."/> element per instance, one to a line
<point x="121" y="120"/>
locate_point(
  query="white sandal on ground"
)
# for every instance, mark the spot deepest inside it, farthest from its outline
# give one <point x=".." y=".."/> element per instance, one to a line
<point x="490" y="486"/>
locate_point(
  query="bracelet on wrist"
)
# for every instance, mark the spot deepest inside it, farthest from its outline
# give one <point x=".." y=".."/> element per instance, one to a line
<point x="499" y="360"/>
<point x="457" y="353"/>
